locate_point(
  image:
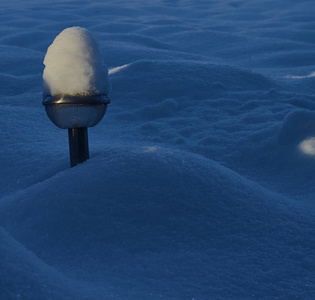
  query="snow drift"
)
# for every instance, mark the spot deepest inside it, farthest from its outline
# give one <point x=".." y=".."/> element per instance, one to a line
<point x="133" y="216"/>
<point x="197" y="187"/>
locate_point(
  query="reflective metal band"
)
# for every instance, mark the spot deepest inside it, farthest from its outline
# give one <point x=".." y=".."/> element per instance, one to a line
<point x="83" y="100"/>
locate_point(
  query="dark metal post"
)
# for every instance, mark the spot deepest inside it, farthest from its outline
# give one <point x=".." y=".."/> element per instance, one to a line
<point x="78" y="145"/>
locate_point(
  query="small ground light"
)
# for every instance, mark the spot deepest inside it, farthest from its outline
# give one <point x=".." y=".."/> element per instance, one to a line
<point x="75" y="87"/>
<point x="76" y="113"/>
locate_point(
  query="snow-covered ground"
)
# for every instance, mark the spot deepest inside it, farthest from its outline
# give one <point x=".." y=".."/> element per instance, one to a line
<point x="200" y="183"/>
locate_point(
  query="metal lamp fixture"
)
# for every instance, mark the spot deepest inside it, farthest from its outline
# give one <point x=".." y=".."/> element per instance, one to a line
<point x="76" y="113"/>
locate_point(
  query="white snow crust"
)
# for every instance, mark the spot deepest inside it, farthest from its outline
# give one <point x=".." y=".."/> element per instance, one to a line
<point x="74" y="66"/>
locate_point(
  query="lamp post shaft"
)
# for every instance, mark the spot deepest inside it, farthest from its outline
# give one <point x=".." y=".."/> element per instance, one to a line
<point x="78" y="145"/>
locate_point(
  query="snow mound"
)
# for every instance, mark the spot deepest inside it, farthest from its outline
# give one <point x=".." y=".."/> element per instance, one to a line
<point x="156" y="79"/>
<point x="24" y="276"/>
<point x="134" y="216"/>
<point x="297" y="125"/>
<point x="73" y="65"/>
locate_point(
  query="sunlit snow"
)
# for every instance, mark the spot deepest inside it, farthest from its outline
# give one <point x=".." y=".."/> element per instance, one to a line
<point x="117" y="69"/>
<point x="301" y="76"/>
<point x="308" y="146"/>
<point x="74" y="65"/>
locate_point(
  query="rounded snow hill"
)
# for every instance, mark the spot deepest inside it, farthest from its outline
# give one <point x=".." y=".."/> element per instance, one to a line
<point x="145" y="221"/>
<point x="24" y="276"/>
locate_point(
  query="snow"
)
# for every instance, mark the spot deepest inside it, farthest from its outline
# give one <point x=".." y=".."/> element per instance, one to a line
<point x="308" y="146"/>
<point x="73" y="65"/>
<point x="297" y="125"/>
<point x="200" y="182"/>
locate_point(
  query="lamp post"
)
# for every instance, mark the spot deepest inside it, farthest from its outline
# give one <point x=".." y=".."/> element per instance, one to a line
<point x="76" y="113"/>
<point x="75" y="87"/>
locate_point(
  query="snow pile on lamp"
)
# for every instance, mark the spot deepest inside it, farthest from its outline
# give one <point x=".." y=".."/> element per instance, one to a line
<point x="75" y="87"/>
<point x="73" y="65"/>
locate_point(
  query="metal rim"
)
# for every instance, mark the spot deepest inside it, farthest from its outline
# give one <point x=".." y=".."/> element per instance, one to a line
<point x="83" y="100"/>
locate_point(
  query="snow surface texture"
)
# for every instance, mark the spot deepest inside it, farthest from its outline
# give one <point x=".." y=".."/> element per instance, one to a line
<point x="74" y="65"/>
<point x="201" y="178"/>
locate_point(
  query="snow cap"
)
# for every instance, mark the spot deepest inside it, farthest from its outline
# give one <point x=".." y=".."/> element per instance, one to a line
<point x="74" y="66"/>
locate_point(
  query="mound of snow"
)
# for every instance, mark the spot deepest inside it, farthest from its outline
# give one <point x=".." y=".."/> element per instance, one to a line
<point x="157" y="79"/>
<point x="24" y="276"/>
<point x="73" y="65"/>
<point x="136" y="216"/>
<point x="297" y="125"/>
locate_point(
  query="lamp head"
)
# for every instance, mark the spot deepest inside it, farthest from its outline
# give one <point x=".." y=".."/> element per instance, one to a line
<point x="67" y="111"/>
